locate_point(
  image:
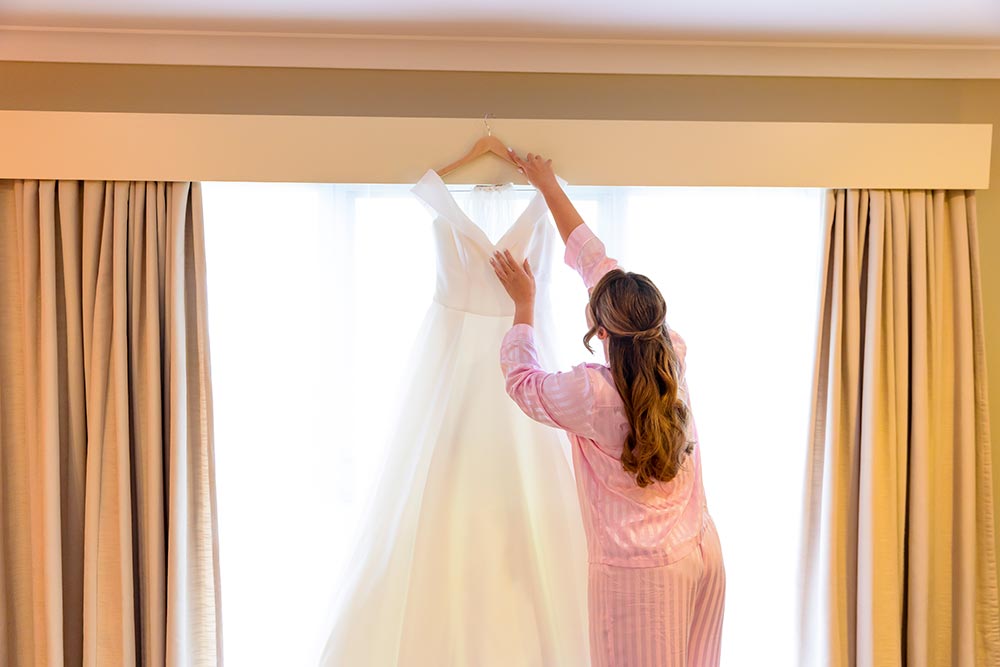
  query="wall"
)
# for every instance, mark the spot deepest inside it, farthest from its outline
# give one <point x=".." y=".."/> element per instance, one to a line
<point x="82" y="87"/>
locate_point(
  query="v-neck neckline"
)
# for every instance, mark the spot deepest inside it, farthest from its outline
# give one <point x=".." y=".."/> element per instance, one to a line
<point x="447" y="206"/>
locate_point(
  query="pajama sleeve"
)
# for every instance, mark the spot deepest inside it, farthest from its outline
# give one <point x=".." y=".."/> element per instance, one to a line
<point x="562" y="400"/>
<point x="585" y="254"/>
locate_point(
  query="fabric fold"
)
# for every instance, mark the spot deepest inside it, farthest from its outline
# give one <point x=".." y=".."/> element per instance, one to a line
<point x="110" y="550"/>
<point x="899" y="563"/>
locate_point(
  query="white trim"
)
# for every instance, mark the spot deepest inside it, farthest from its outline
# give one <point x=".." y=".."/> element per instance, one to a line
<point x="497" y="54"/>
<point x="138" y="146"/>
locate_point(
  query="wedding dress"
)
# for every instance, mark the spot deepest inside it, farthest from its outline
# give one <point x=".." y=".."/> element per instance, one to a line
<point x="473" y="552"/>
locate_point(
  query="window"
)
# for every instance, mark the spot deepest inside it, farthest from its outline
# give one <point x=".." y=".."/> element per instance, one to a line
<point x="316" y="293"/>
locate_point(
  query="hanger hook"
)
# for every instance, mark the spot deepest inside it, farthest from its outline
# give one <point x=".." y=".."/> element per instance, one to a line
<point x="486" y="122"/>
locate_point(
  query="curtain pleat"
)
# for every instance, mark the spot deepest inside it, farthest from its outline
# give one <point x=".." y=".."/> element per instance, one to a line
<point x="899" y="554"/>
<point x="108" y="541"/>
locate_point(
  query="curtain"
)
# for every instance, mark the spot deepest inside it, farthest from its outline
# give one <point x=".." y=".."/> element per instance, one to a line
<point x="899" y="563"/>
<point x="108" y="549"/>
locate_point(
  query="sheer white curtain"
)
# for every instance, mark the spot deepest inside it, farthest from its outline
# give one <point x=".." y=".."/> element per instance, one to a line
<point x="316" y="292"/>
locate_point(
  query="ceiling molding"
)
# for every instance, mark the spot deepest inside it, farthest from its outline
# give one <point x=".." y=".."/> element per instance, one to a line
<point x="496" y="54"/>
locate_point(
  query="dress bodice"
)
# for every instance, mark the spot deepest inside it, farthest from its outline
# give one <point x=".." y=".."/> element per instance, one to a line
<point x="465" y="279"/>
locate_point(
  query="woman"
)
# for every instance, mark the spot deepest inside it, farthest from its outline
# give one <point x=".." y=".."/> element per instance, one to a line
<point x="656" y="581"/>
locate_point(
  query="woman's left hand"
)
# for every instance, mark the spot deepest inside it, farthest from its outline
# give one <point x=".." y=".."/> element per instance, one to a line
<point x="517" y="278"/>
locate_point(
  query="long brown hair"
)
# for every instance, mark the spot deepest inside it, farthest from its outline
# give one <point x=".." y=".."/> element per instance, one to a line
<point x="646" y="371"/>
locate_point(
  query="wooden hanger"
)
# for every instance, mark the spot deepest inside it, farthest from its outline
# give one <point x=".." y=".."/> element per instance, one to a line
<point x="488" y="144"/>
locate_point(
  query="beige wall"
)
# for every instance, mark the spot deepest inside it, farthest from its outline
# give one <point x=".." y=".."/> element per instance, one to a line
<point x="78" y="87"/>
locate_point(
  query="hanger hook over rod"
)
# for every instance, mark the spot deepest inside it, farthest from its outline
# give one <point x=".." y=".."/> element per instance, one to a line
<point x="486" y="122"/>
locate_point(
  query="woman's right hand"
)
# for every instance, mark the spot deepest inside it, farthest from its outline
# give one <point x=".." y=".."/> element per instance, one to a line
<point x="536" y="169"/>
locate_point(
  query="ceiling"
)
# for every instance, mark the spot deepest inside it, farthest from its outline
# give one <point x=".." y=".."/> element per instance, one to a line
<point x="966" y="22"/>
<point x="937" y="39"/>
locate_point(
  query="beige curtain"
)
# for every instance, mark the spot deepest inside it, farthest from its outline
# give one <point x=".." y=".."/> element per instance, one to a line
<point x="899" y="559"/>
<point x="108" y="549"/>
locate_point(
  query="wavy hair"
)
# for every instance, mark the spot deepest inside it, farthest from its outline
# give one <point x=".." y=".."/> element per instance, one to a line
<point x="646" y="371"/>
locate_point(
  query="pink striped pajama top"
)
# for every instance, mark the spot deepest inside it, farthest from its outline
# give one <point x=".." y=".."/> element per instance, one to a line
<point x="657" y="581"/>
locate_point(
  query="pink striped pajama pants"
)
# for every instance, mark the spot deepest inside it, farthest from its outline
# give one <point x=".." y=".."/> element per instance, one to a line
<point x="667" y="616"/>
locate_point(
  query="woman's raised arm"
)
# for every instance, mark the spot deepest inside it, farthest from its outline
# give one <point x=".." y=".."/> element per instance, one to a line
<point x="585" y="253"/>
<point x="539" y="173"/>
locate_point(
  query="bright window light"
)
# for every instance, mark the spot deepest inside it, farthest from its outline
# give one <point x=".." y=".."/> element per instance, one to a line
<point x="316" y="294"/>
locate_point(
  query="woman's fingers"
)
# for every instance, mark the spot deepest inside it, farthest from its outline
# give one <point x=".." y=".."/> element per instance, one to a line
<point x="532" y="165"/>
<point x="530" y="158"/>
<point x="502" y="266"/>
<point x="515" y="276"/>
<point x="506" y="266"/>
<point x="504" y="259"/>
<point x="500" y="269"/>
<point x="512" y="263"/>
<point x="521" y="163"/>
<point x="517" y="158"/>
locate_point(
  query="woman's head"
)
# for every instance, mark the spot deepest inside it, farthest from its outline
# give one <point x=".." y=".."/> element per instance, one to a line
<point x="629" y="313"/>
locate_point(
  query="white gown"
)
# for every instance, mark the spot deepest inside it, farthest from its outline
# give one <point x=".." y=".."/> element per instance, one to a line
<point x="474" y="553"/>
